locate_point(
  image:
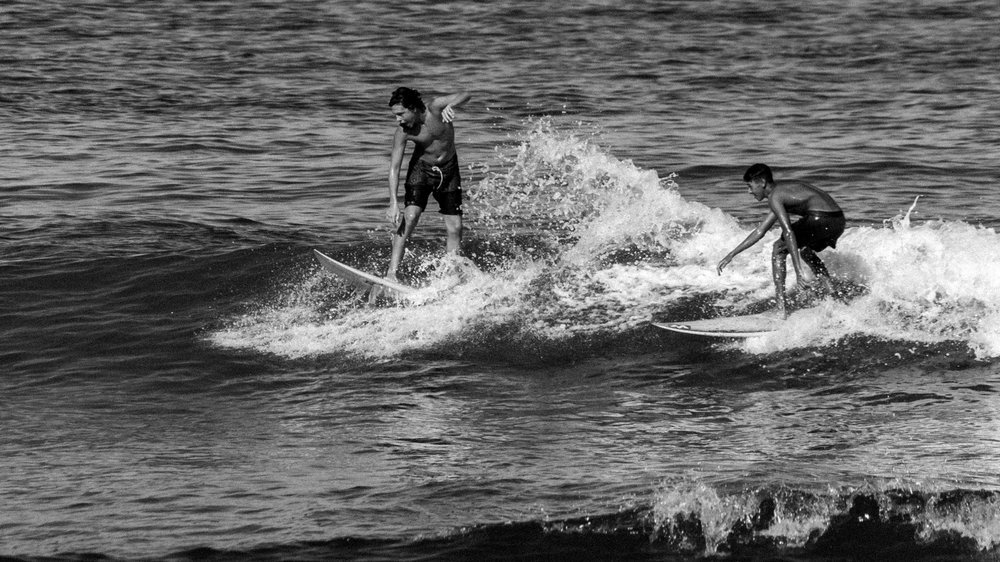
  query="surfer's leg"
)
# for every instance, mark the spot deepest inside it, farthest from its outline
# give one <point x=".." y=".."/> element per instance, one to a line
<point x="451" y="209"/>
<point x="779" y="254"/>
<point x="818" y="267"/>
<point x="411" y="216"/>
<point x="453" y="224"/>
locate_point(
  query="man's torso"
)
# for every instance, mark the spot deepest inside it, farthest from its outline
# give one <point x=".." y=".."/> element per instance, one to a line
<point x="434" y="141"/>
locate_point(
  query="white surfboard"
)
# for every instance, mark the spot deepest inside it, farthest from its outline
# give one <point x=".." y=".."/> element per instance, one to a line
<point x="727" y="326"/>
<point x="361" y="279"/>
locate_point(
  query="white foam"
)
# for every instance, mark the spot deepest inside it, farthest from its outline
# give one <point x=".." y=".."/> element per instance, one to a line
<point x="438" y="312"/>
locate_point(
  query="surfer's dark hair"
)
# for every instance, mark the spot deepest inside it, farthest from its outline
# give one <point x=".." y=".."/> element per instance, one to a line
<point x="758" y="171"/>
<point x="408" y="97"/>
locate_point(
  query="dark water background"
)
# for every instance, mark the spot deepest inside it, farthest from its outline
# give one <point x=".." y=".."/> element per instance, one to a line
<point x="180" y="380"/>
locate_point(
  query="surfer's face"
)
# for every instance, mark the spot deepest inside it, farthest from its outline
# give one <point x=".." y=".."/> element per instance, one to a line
<point x="405" y="117"/>
<point x="756" y="188"/>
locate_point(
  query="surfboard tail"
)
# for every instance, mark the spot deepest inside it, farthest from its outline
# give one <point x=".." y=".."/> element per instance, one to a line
<point x="363" y="280"/>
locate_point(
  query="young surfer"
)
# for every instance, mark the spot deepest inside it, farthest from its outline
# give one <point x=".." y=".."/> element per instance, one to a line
<point x="433" y="168"/>
<point x="821" y="225"/>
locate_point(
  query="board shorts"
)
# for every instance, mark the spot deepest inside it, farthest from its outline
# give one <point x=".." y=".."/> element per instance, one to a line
<point x="818" y="230"/>
<point x="424" y="179"/>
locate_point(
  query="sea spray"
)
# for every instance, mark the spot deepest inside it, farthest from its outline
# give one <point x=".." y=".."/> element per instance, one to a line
<point x="587" y="204"/>
<point x="620" y="244"/>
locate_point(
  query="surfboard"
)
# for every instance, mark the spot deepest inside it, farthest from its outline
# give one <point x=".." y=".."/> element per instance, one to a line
<point x="360" y="278"/>
<point x="727" y="326"/>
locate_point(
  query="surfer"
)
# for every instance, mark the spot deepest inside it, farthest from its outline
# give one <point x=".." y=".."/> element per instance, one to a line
<point x="821" y="225"/>
<point x="433" y="168"/>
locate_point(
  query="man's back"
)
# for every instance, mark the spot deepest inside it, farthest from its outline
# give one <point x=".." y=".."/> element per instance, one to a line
<point x="801" y="198"/>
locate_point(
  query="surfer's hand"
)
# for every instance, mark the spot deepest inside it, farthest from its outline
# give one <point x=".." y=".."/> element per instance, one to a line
<point x="448" y="114"/>
<point x="393" y="214"/>
<point x="806" y="278"/>
<point x="722" y="264"/>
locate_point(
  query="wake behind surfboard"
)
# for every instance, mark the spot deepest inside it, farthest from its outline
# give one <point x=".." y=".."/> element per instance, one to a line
<point x="727" y="326"/>
<point x="361" y="279"/>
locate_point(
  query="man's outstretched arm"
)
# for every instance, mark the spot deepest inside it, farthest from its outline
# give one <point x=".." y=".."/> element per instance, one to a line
<point x="749" y="241"/>
<point x="445" y="105"/>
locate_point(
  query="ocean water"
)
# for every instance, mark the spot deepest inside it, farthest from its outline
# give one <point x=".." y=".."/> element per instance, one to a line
<point x="181" y="380"/>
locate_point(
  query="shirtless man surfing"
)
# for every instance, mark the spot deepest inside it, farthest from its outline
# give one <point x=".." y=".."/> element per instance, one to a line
<point x="433" y="168"/>
<point x="821" y="225"/>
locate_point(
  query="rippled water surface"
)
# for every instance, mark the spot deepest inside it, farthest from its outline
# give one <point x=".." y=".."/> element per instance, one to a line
<point x="181" y="379"/>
